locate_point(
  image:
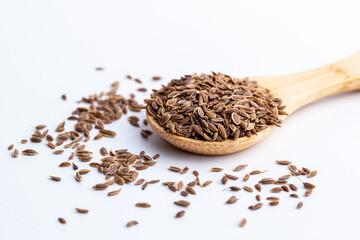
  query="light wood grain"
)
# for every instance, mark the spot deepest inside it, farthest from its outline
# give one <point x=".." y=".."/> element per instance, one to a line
<point x="296" y="90"/>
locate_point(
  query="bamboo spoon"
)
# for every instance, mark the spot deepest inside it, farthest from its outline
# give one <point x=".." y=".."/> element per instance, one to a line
<point x="296" y="90"/>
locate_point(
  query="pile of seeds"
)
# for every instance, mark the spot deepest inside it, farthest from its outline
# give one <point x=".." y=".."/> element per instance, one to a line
<point x="194" y="105"/>
<point x="214" y="107"/>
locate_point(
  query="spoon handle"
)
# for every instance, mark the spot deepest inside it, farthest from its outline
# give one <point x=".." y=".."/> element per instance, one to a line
<point x="299" y="89"/>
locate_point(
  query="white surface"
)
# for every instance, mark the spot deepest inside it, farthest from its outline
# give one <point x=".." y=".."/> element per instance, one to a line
<point x="48" y="48"/>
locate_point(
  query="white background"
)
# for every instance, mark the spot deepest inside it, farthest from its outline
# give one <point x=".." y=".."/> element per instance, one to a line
<point x="48" y="48"/>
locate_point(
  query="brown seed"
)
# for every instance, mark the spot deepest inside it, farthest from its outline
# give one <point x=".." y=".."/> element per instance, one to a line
<point x="30" y="152"/>
<point x="312" y="174"/>
<point x="293" y="187"/>
<point x="180" y="214"/>
<point x="156" y="78"/>
<point x="267" y="181"/>
<point x="274" y="203"/>
<point x="10" y="147"/>
<point x="131" y="223"/>
<point x="182" y="203"/>
<point x="231" y="200"/>
<point x="60" y="127"/>
<point x="78" y="177"/>
<point x="258" y="197"/>
<point x="309" y="185"/>
<point x="57" y="179"/>
<point x="300" y="204"/>
<point x="172" y="188"/>
<point x="258" y="187"/>
<point x="99" y="68"/>
<point x="184" y="170"/>
<point x="196" y="174"/>
<point x="142" y="89"/>
<point x="293" y="195"/>
<point x="168" y="183"/>
<point x="51" y="145"/>
<point x="84" y="171"/>
<point x="216" y="169"/>
<point x="15" y="153"/>
<point x="63" y="97"/>
<point x="62" y="221"/>
<point x="276" y="190"/>
<point x="285" y="188"/>
<point x="190" y="190"/>
<point x="179" y="185"/>
<point x="232" y="177"/>
<point x="207" y="183"/>
<point x="75" y="167"/>
<point x="240" y="167"/>
<point x="65" y="164"/>
<point x="100" y="186"/>
<point x="184" y="193"/>
<point x="154" y="181"/>
<point x="81" y="210"/>
<point x="112" y="193"/>
<point x="140" y="181"/>
<point x="40" y="127"/>
<point x="308" y="192"/>
<point x="224" y="180"/>
<point x="287" y="176"/>
<point x="144" y="186"/>
<point x="23" y="141"/>
<point x="243" y="222"/>
<point x="247" y="176"/>
<point x="156" y="156"/>
<point x="256" y="206"/>
<point x="58" y="151"/>
<point x="248" y="189"/>
<point x="174" y="169"/>
<point x="107" y="133"/>
<point x="234" y="188"/>
<point x="257" y="172"/>
<point x="192" y="184"/>
<point x="292" y="168"/>
<point x="273" y="198"/>
<point x="283" y="162"/>
<point x="35" y="139"/>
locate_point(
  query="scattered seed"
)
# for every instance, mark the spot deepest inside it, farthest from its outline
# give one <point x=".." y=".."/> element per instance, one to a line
<point x="216" y="169"/>
<point x="30" y="152"/>
<point x="156" y="156"/>
<point x="81" y="210"/>
<point x="10" y="147"/>
<point x="58" y="152"/>
<point x="283" y="162"/>
<point x="240" y="167"/>
<point x="274" y="203"/>
<point x="112" y="193"/>
<point x="234" y="188"/>
<point x="75" y="167"/>
<point x="62" y="221"/>
<point x="308" y="192"/>
<point x="293" y="195"/>
<point x="224" y="180"/>
<point x="292" y="168"/>
<point x="100" y="186"/>
<point x="131" y="223"/>
<point x="258" y="197"/>
<point x="267" y="181"/>
<point x="57" y="179"/>
<point x="276" y="190"/>
<point x="309" y="185"/>
<point x="184" y="170"/>
<point x="293" y="187"/>
<point x="144" y="186"/>
<point x="257" y="172"/>
<point x="243" y="222"/>
<point x="174" y="169"/>
<point x="231" y="200"/>
<point x="247" y="176"/>
<point x="248" y="189"/>
<point x="232" y="177"/>
<point x="182" y="203"/>
<point x="273" y="198"/>
<point x="287" y="176"/>
<point x="65" y="164"/>
<point x="15" y="153"/>
<point x="258" y="187"/>
<point x="312" y="174"/>
<point x="23" y="141"/>
<point x="180" y="214"/>
<point x="300" y="204"/>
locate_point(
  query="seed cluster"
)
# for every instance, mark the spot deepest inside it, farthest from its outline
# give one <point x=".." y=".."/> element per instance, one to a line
<point x="195" y="93"/>
<point x="214" y="107"/>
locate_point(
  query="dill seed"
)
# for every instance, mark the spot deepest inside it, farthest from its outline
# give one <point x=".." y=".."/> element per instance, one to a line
<point x="100" y="186"/>
<point x="258" y="197"/>
<point x="216" y="169"/>
<point x="257" y="172"/>
<point x="57" y="179"/>
<point x="81" y="210"/>
<point x="75" y="167"/>
<point x="62" y="221"/>
<point x="190" y="190"/>
<point x="182" y="203"/>
<point x="174" y="169"/>
<point x="99" y="68"/>
<point x="23" y="141"/>
<point x="154" y="181"/>
<point x="107" y="133"/>
<point x="273" y="198"/>
<point x="287" y="176"/>
<point x="58" y="151"/>
<point x="140" y="181"/>
<point x="65" y="164"/>
<point x="79" y="178"/>
<point x="179" y="185"/>
<point x="156" y="78"/>
<point x="267" y="181"/>
<point x="15" y="153"/>
<point x="293" y="187"/>
<point x="51" y="145"/>
<point x="312" y="174"/>
<point x="308" y="192"/>
<point x="30" y="152"/>
<point x="232" y="177"/>
<point x="131" y="223"/>
<point x="112" y="193"/>
<point x="224" y="180"/>
<point x="274" y="203"/>
<point x="247" y="176"/>
<point x="168" y="183"/>
<point x="84" y="171"/>
<point x="276" y="190"/>
<point x="184" y="170"/>
<point x="258" y="187"/>
<point x="10" y="147"/>
<point x="172" y="188"/>
<point x="40" y="127"/>
<point x="285" y="188"/>
<point x="283" y="162"/>
<point x="293" y="195"/>
<point x="63" y="97"/>
<point x="300" y="204"/>
<point x="231" y="200"/>
<point x="156" y="156"/>
<point x="243" y="222"/>
<point x="308" y="185"/>
<point x="234" y="188"/>
<point x="256" y="206"/>
<point x="196" y="174"/>
<point x="240" y="167"/>
<point x="207" y="183"/>
<point x="180" y="214"/>
<point x="292" y="168"/>
<point x="184" y="193"/>
<point x="248" y="189"/>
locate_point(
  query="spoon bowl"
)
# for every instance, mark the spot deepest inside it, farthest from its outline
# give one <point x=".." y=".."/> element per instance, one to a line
<point x="296" y="90"/>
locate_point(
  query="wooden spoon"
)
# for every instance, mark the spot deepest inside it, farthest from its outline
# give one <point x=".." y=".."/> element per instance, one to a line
<point x="296" y="90"/>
